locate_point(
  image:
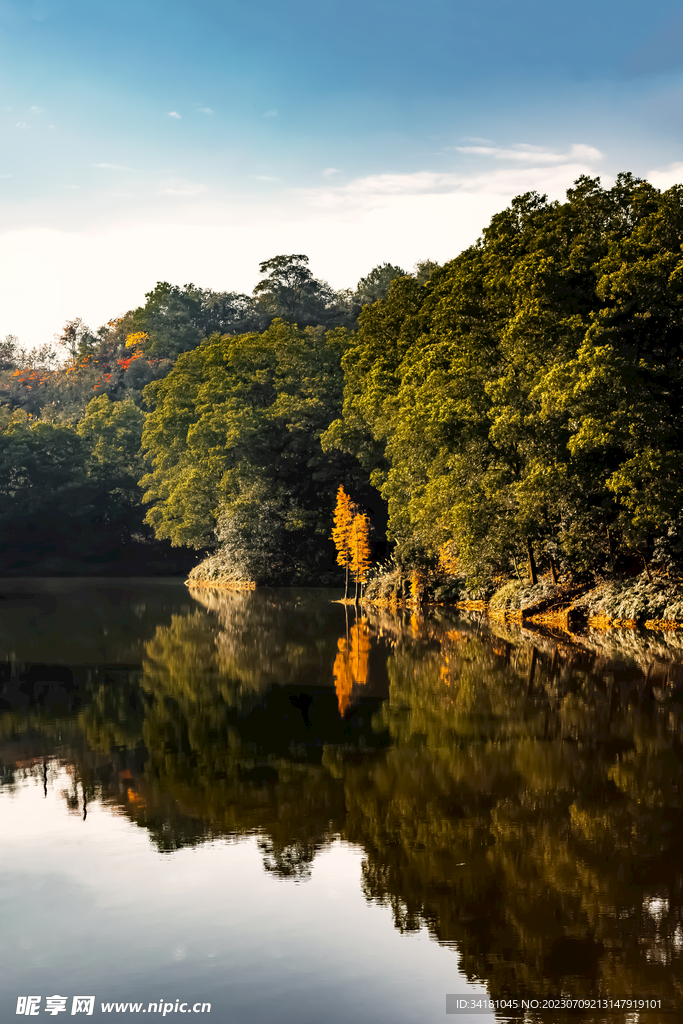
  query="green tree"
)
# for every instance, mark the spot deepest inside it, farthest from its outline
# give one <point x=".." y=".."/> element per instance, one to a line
<point x="177" y="319"/>
<point x="236" y="423"/>
<point x="526" y="398"/>
<point x="113" y="434"/>
<point x="46" y="499"/>
<point x="290" y="292"/>
<point x="375" y="285"/>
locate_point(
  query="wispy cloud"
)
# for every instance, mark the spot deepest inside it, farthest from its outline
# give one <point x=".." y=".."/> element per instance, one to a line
<point x="265" y="177"/>
<point x="174" y="114"/>
<point x="22" y="125"/>
<point x="181" y="187"/>
<point x="535" y="171"/>
<point x="5" y="175"/>
<point x="113" y="167"/>
<point x="270" y="113"/>
<point x="36" y="110"/>
<point x="204" y="110"/>
<point x="523" y="153"/>
<point x="330" y="172"/>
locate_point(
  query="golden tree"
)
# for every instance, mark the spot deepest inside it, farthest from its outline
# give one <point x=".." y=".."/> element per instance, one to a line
<point x="449" y="559"/>
<point x="344" y="512"/>
<point x="360" y="550"/>
<point x="136" y="339"/>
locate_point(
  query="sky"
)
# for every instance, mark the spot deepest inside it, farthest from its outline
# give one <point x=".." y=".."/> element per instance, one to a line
<point x="189" y="141"/>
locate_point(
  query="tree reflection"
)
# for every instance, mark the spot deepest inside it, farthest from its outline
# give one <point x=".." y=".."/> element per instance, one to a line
<point x="520" y="796"/>
<point x="352" y="665"/>
<point x="529" y="812"/>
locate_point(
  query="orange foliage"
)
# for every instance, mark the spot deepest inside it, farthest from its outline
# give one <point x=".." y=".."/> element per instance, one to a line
<point x="360" y="548"/>
<point x="448" y="559"/>
<point x="125" y="363"/>
<point x="341" y="531"/>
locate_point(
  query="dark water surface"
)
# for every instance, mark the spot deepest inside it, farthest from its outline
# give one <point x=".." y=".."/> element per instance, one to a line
<point x="261" y="802"/>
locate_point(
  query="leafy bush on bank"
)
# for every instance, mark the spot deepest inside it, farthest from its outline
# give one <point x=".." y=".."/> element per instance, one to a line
<point x="638" y="599"/>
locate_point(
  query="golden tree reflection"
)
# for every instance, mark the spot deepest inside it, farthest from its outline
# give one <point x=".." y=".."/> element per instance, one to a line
<point x="352" y="664"/>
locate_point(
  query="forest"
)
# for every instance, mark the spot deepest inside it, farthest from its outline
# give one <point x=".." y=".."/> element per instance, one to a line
<point x="514" y="411"/>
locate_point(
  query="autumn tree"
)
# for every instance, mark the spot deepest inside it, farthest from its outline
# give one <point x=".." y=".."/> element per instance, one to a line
<point x="342" y="530"/>
<point x="360" y="550"/>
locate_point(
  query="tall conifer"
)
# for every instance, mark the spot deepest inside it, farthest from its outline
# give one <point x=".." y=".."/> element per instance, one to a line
<point x="360" y="550"/>
<point x="342" y="530"/>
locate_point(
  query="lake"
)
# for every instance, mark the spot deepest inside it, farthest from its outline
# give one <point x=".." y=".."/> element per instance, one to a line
<point x="262" y="806"/>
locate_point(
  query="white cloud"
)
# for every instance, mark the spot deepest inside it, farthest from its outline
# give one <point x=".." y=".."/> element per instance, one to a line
<point x="533" y="169"/>
<point x="523" y="153"/>
<point x="204" y="110"/>
<point x="181" y="187"/>
<point x="265" y="177"/>
<point x="36" y="110"/>
<point x="22" y="124"/>
<point x="192" y="234"/>
<point x="330" y="172"/>
<point x="665" y="177"/>
<point x="270" y="113"/>
<point x="175" y="114"/>
<point x="582" y="152"/>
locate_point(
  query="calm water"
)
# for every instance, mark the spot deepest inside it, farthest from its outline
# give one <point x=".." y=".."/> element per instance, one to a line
<point x="260" y="802"/>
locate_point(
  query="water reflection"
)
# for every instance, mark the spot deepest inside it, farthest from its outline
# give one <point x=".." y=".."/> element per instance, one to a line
<point x="518" y="795"/>
<point x="352" y="664"/>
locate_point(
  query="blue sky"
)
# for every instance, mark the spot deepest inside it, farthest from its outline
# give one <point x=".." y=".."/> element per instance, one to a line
<point x="189" y="141"/>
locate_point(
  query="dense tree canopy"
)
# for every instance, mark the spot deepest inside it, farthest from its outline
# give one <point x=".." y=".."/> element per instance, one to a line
<point x="175" y="320"/>
<point x="521" y="400"/>
<point x="71" y="490"/>
<point x="93" y="380"/>
<point x="234" y="440"/>
<point x="530" y="391"/>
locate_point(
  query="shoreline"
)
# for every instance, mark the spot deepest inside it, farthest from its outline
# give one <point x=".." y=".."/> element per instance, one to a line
<point x="619" y="603"/>
<point x="220" y="584"/>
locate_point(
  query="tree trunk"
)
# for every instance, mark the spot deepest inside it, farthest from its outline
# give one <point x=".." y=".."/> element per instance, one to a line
<point x="533" y="575"/>
<point x="553" y="569"/>
<point x="346" y="585"/>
